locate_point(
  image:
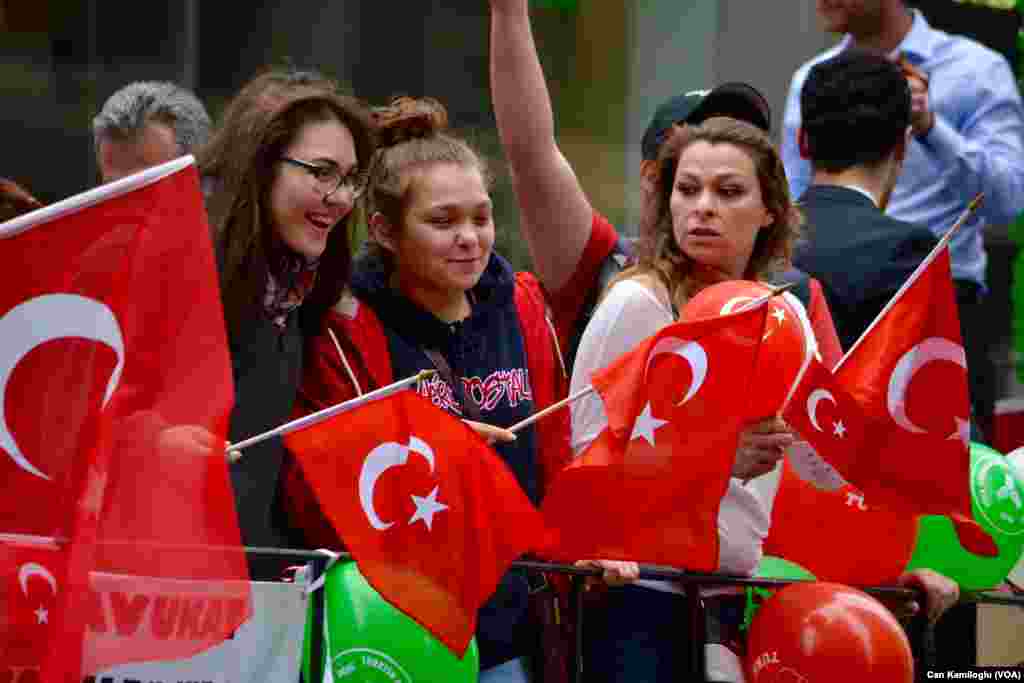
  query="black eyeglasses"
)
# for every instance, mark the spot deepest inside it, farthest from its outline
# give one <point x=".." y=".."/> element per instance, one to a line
<point x="329" y="179"/>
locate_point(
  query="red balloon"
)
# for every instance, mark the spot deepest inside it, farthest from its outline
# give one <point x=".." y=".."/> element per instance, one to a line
<point x="826" y="632"/>
<point x="788" y="339"/>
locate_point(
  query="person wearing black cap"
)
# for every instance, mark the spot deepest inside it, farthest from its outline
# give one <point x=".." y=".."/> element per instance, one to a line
<point x="734" y="100"/>
<point x="572" y="247"/>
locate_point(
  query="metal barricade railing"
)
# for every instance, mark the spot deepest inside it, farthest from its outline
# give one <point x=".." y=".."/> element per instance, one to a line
<point x="692" y="583"/>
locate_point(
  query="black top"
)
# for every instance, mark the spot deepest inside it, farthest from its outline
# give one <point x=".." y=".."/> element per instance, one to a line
<point x="860" y="255"/>
<point x="266" y="364"/>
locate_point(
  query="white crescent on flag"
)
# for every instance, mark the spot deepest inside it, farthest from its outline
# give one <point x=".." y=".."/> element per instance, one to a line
<point x="690" y="351"/>
<point x="928" y="351"/>
<point x="384" y="457"/>
<point x="42" y="319"/>
<point x="30" y="569"/>
<point x="816" y="397"/>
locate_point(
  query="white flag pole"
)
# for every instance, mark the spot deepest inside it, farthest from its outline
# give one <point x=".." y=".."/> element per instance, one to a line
<point x="590" y="389"/>
<point x="550" y="409"/>
<point x="943" y="243"/>
<point x="234" y="450"/>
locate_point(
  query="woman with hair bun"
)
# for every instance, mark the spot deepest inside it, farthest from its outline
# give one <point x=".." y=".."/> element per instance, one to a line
<point x="432" y="294"/>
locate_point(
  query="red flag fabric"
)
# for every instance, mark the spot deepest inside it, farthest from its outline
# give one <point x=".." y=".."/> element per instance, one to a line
<point x="649" y="487"/>
<point x="429" y="511"/>
<point x="889" y="436"/>
<point x="908" y="357"/>
<point x="835" y="534"/>
<point x="832" y="421"/>
<point x="116" y="387"/>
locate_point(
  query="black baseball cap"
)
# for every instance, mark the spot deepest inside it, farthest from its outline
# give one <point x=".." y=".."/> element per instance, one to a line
<point x="735" y="100"/>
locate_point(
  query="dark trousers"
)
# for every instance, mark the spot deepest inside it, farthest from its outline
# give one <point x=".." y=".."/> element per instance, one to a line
<point x="636" y="635"/>
<point x="981" y="371"/>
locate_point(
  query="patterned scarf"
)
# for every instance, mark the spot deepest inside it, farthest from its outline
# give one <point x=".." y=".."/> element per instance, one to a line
<point x="294" y="280"/>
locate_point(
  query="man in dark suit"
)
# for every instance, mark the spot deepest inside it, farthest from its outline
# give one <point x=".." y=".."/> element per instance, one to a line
<point x="855" y="131"/>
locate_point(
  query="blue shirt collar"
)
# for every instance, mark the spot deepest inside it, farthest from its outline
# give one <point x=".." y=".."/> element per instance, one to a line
<point x="917" y="44"/>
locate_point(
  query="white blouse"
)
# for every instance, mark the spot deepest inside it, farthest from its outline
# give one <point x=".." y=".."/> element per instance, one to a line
<point x="629" y="313"/>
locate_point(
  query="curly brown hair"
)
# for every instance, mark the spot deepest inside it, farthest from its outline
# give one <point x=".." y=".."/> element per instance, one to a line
<point x="661" y="256"/>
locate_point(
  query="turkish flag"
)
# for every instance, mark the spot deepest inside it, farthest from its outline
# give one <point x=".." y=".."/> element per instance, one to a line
<point x="115" y="384"/>
<point x="908" y="372"/>
<point x="649" y="487"/>
<point x="835" y="534"/>
<point x="833" y="423"/>
<point x="876" y="420"/>
<point x="429" y="511"/>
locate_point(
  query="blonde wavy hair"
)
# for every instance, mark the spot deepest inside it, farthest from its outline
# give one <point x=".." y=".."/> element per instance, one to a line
<point x="661" y="257"/>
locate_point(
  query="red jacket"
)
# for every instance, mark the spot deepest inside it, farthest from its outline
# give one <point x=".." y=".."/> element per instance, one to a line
<point x="360" y="334"/>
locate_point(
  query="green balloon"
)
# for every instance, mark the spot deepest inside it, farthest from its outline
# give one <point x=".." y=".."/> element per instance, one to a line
<point x="370" y="641"/>
<point x="997" y="504"/>
<point x="771" y="567"/>
<point x="777" y="568"/>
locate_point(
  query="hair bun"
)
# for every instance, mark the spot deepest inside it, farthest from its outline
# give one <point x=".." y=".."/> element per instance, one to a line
<point x="409" y="118"/>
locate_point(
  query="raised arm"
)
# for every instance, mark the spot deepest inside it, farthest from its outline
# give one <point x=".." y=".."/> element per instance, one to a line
<point x="555" y="215"/>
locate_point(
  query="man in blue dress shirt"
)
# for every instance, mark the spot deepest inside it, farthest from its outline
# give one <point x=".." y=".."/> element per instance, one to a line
<point x="968" y="137"/>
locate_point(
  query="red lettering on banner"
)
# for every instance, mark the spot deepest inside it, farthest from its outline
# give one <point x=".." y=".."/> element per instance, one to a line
<point x="97" y="621"/>
<point x="165" y="616"/>
<point x="128" y="614"/>
<point x="188" y="622"/>
<point x="211" y="619"/>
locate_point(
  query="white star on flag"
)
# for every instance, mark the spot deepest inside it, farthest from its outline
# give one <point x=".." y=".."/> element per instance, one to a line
<point x="426" y="508"/>
<point x="42" y="615"/>
<point x="645" y="425"/>
<point x="780" y="317"/>
<point x="839" y="429"/>
<point x="963" y="431"/>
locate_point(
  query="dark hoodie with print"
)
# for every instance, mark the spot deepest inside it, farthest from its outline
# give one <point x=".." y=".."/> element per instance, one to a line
<point x="487" y="354"/>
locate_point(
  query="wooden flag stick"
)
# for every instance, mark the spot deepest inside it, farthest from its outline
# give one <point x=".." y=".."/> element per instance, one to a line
<point x="234" y="450"/>
<point x="550" y="409"/>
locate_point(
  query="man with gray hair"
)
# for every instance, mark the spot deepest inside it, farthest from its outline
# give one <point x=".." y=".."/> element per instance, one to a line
<point x="144" y="124"/>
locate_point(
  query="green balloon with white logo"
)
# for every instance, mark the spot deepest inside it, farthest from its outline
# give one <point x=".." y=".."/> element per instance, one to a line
<point x="997" y="505"/>
<point x="367" y="640"/>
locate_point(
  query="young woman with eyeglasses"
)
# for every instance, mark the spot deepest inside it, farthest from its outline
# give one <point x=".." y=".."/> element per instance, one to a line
<point x="281" y="229"/>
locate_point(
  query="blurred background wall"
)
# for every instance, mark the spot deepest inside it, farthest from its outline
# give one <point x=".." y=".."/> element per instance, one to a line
<point x="609" y="64"/>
